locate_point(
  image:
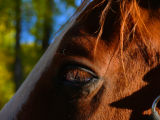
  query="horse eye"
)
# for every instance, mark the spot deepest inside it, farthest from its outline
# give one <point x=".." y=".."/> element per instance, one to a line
<point x="77" y="81"/>
<point x="78" y="75"/>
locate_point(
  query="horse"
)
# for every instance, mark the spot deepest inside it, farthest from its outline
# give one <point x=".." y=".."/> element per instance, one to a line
<point x="103" y="65"/>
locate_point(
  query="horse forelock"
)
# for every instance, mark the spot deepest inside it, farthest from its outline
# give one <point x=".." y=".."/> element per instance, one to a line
<point x="133" y="25"/>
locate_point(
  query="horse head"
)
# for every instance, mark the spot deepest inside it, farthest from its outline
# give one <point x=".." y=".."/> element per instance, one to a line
<point x="104" y="65"/>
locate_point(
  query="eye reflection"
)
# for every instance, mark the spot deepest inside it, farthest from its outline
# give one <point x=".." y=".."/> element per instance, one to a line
<point x="78" y="75"/>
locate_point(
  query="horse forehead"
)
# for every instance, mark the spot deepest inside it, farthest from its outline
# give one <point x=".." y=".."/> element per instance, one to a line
<point x="81" y="48"/>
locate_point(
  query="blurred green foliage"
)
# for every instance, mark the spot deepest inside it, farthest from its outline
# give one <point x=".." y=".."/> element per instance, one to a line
<point x="30" y="52"/>
<point x="6" y="76"/>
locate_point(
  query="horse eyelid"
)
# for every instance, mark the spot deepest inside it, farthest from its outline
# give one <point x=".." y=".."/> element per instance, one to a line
<point x="79" y="67"/>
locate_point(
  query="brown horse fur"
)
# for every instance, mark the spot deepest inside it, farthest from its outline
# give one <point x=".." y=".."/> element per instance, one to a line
<point x="119" y="41"/>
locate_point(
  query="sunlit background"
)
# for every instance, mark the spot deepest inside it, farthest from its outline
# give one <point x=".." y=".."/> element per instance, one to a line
<point x="26" y="29"/>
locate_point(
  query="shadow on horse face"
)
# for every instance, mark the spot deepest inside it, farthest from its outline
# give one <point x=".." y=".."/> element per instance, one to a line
<point x="141" y="100"/>
<point x="85" y="77"/>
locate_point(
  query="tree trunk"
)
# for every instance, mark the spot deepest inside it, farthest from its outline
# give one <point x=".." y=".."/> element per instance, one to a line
<point x="46" y="34"/>
<point x="47" y="28"/>
<point x="18" y="77"/>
